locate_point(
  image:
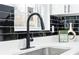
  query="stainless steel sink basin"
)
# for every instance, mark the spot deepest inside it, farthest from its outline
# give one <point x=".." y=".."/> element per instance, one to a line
<point x="46" y="51"/>
<point x="76" y="53"/>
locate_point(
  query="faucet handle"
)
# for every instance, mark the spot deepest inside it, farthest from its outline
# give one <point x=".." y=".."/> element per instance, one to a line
<point x="31" y="39"/>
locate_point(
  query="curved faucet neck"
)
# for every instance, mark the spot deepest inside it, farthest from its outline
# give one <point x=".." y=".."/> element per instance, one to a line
<point x="41" y="20"/>
<point x="28" y="34"/>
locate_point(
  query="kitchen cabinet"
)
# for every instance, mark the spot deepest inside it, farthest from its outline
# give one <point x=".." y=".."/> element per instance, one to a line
<point x="57" y="9"/>
<point x="74" y="8"/>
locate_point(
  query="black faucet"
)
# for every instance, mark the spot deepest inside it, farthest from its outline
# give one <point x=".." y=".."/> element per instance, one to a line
<point x="28" y="34"/>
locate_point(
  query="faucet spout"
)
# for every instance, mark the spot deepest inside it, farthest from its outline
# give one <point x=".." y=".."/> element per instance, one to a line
<point x="28" y="34"/>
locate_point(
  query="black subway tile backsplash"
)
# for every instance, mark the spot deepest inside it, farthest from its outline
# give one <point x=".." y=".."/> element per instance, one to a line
<point x="6" y="25"/>
<point x="60" y="23"/>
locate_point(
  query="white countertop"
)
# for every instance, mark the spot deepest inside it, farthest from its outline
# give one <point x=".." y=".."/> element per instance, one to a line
<point x="73" y="46"/>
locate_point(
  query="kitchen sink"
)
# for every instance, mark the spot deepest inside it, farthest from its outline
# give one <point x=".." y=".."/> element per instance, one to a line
<point x="46" y="51"/>
<point x="76" y="53"/>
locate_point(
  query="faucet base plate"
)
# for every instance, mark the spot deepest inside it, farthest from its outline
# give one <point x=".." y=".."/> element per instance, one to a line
<point x="27" y="48"/>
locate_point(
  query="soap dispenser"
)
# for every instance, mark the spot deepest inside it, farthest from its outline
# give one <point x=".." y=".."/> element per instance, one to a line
<point x="71" y="31"/>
